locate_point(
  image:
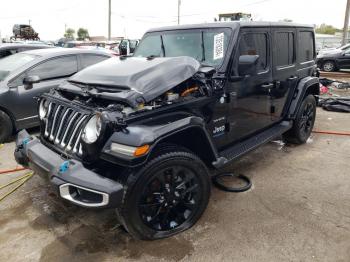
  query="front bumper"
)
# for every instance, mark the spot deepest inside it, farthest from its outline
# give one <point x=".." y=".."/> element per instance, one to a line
<point x="70" y="178"/>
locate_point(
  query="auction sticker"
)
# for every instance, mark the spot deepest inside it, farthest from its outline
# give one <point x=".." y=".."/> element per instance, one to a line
<point x="218" y="46"/>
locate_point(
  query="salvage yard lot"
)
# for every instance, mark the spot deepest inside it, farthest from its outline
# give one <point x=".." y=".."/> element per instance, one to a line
<point x="297" y="210"/>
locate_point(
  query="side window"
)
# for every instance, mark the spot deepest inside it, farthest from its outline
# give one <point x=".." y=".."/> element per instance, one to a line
<point x="90" y="59"/>
<point x="4" y="53"/>
<point x="284" y="49"/>
<point x="255" y="44"/>
<point x="133" y="43"/>
<point x="55" y="68"/>
<point x="7" y="52"/>
<point x="306" y="46"/>
<point x="13" y="51"/>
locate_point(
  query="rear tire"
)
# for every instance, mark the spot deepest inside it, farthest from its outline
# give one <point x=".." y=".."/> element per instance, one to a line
<point x="329" y="66"/>
<point x="166" y="196"/>
<point x="304" y="122"/>
<point x="6" y="127"/>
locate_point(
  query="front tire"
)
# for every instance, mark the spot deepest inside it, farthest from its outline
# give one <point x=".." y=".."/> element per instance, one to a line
<point x="304" y="122"/>
<point x="5" y="127"/>
<point x="329" y="66"/>
<point x="167" y="196"/>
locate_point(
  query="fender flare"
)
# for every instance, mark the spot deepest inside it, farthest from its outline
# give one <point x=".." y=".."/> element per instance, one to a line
<point x="138" y="135"/>
<point x="304" y="87"/>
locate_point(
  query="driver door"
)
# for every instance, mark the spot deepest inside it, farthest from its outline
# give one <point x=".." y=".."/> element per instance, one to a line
<point x="249" y="98"/>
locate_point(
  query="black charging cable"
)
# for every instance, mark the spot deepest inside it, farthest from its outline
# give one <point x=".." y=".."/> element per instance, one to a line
<point x="219" y="183"/>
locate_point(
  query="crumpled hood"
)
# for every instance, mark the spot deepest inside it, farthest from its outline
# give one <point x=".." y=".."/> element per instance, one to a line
<point x="139" y="79"/>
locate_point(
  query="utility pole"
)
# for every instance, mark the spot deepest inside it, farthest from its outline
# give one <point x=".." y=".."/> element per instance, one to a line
<point x="346" y="23"/>
<point x="178" y="11"/>
<point x="30" y="21"/>
<point x="109" y="19"/>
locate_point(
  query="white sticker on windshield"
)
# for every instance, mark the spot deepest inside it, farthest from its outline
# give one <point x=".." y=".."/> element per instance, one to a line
<point x="218" y="46"/>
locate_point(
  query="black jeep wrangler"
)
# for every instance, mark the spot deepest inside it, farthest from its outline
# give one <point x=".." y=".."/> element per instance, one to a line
<point x="143" y="134"/>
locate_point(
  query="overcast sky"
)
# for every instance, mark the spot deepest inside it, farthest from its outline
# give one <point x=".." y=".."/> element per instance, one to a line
<point x="132" y="18"/>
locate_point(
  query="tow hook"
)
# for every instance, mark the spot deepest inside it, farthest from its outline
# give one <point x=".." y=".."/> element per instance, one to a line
<point x="64" y="167"/>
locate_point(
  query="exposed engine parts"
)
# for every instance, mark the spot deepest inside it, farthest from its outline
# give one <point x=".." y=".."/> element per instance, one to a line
<point x="98" y="97"/>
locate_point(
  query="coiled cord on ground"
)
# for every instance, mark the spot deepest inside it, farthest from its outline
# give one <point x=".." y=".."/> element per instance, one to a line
<point x="217" y="181"/>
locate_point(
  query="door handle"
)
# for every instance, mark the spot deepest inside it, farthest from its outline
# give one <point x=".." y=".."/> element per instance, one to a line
<point x="292" y="78"/>
<point x="267" y="86"/>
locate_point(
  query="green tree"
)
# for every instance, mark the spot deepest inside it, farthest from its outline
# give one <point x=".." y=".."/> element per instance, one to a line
<point x="326" y="29"/>
<point x="82" y="34"/>
<point x="69" y="33"/>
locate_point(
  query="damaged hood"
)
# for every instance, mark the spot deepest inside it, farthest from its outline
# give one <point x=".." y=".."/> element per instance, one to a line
<point x="136" y="80"/>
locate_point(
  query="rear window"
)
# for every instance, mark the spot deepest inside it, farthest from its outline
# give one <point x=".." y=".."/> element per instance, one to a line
<point x="284" y="52"/>
<point x="306" y="46"/>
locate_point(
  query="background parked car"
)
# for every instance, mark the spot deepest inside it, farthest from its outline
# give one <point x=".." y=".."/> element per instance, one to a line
<point x="41" y="69"/>
<point x="327" y="50"/>
<point x="10" y="49"/>
<point x="127" y="46"/>
<point x="100" y="49"/>
<point x="334" y="59"/>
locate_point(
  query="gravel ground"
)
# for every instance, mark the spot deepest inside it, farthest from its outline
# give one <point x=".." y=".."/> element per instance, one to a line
<point x="297" y="210"/>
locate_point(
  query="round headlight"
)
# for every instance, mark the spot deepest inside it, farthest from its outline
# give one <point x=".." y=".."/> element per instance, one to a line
<point x="92" y="129"/>
<point x="43" y="107"/>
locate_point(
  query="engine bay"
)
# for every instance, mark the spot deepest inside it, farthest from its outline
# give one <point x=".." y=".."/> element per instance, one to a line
<point x="103" y="97"/>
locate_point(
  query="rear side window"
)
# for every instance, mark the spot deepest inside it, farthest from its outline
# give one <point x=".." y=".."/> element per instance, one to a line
<point x="90" y="59"/>
<point x="255" y="44"/>
<point x="306" y="46"/>
<point x="284" y="48"/>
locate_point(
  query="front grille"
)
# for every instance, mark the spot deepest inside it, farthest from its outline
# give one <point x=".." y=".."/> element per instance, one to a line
<point x="63" y="127"/>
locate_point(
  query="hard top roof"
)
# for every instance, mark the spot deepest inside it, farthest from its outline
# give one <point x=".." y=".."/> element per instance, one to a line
<point x="233" y="25"/>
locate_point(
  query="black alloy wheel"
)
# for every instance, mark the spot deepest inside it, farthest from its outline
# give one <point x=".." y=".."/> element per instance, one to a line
<point x="170" y="198"/>
<point x="303" y="123"/>
<point x="166" y="196"/>
<point x="307" y="119"/>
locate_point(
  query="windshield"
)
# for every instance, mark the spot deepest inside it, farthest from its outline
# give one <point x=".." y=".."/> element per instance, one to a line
<point x="208" y="46"/>
<point x="13" y="62"/>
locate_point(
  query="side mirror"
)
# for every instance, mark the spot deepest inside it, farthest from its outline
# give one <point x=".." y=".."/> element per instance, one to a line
<point x="28" y="81"/>
<point x="207" y="70"/>
<point x="248" y="65"/>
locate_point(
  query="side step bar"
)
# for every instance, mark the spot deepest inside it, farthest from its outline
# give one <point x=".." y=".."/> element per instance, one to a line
<point x="251" y="143"/>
